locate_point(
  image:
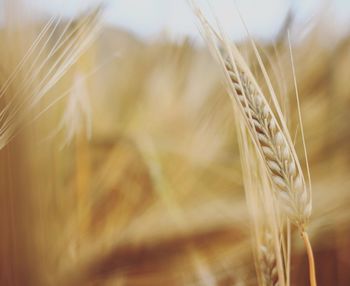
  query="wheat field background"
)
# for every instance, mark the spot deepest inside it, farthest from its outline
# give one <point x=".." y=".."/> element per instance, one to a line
<point x="120" y="163"/>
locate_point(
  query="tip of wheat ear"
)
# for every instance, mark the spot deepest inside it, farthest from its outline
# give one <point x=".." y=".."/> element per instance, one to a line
<point x="279" y="158"/>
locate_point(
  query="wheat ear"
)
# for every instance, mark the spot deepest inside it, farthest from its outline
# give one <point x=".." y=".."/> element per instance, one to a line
<point x="273" y="146"/>
<point x="276" y="150"/>
<point x="273" y="142"/>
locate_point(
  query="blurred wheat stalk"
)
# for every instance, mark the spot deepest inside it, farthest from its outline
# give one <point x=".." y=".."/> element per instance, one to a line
<point x="126" y="170"/>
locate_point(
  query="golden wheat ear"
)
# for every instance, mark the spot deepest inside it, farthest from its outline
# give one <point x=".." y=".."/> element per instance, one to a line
<point x="267" y="130"/>
<point x="277" y="153"/>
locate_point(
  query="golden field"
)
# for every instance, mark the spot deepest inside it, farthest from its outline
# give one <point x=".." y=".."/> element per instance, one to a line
<point x="120" y="162"/>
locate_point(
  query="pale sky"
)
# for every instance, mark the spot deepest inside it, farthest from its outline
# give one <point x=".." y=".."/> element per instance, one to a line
<point x="148" y="18"/>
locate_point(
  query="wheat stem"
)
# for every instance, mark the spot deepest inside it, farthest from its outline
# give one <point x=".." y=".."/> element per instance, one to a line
<point x="310" y="256"/>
